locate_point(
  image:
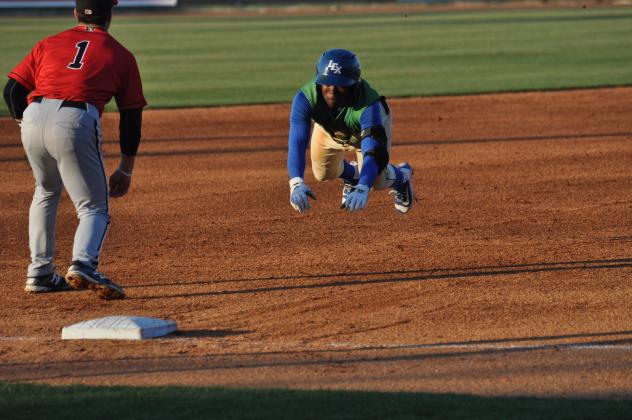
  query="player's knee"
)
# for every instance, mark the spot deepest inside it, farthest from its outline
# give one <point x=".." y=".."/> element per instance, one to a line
<point x="385" y="179"/>
<point x="86" y="208"/>
<point x="46" y="195"/>
<point x="44" y="190"/>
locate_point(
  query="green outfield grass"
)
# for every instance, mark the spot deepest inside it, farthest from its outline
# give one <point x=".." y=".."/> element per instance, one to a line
<point x="23" y="401"/>
<point x="203" y="61"/>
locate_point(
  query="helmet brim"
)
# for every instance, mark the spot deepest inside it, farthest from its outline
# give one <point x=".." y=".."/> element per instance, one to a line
<point x="334" y="80"/>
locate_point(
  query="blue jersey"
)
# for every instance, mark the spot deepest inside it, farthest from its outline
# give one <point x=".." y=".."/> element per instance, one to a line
<point x="345" y="126"/>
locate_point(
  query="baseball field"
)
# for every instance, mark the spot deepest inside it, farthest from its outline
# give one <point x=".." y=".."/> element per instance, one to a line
<point x="506" y="292"/>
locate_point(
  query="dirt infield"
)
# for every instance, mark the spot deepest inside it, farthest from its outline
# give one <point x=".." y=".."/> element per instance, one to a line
<point x="511" y="276"/>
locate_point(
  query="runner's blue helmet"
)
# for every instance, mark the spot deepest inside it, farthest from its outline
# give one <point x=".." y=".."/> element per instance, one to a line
<point x="338" y="67"/>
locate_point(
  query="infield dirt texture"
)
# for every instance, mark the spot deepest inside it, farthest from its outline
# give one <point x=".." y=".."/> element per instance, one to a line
<point x="512" y="275"/>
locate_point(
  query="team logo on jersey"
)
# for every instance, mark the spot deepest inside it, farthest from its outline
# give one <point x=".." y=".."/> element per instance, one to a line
<point x="334" y="67"/>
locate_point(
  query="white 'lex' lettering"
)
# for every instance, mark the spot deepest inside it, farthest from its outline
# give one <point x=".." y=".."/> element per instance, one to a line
<point x="335" y="67"/>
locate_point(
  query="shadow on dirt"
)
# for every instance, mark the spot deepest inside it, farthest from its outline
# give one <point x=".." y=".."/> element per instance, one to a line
<point x="208" y="333"/>
<point x="365" y="278"/>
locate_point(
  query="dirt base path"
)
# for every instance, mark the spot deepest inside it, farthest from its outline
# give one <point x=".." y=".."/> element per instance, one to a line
<point x="511" y="276"/>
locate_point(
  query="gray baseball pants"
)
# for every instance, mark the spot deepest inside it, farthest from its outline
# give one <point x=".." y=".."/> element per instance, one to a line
<point x="64" y="149"/>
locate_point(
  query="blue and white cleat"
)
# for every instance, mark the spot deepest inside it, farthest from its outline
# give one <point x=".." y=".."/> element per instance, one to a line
<point x="346" y="190"/>
<point x="404" y="196"/>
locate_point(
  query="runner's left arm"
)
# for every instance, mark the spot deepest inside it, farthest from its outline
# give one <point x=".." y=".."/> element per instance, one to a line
<point x="370" y="118"/>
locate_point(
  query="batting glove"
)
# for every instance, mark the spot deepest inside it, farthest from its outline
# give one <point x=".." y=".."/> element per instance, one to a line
<point x="356" y="200"/>
<point x="300" y="194"/>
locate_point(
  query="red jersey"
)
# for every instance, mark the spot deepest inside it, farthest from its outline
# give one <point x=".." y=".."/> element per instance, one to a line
<point x="82" y="64"/>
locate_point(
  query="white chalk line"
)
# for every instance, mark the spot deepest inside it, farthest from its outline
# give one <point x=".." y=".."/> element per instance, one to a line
<point x="483" y="346"/>
<point x="17" y="338"/>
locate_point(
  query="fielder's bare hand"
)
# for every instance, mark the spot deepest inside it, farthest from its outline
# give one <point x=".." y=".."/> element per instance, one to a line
<point x="121" y="178"/>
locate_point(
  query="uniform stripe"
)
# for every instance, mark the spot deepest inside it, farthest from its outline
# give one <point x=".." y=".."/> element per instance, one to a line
<point x="107" y="207"/>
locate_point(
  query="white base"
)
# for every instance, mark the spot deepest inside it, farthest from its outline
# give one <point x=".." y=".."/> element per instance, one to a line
<point x="118" y="328"/>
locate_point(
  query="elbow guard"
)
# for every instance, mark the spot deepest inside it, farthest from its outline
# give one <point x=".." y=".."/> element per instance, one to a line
<point x="380" y="150"/>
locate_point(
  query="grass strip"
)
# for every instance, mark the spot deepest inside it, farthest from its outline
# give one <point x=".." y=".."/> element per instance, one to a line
<point x="196" y="60"/>
<point x="30" y="401"/>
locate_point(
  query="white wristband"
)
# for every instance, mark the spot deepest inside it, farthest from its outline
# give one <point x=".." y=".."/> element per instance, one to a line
<point x="129" y="175"/>
<point x="296" y="180"/>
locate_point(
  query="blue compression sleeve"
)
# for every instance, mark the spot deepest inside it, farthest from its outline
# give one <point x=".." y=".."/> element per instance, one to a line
<point x="300" y="122"/>
<point x="369" y="170"/>
<point x="371" y="117"/>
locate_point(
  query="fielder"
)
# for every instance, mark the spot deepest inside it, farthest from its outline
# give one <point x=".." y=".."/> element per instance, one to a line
<point x="57" y="94"/>
<point x="348" y="115"/>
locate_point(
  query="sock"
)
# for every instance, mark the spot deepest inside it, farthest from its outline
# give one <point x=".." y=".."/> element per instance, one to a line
<point x="350" y="173"/>
<point x="399" y="178"/>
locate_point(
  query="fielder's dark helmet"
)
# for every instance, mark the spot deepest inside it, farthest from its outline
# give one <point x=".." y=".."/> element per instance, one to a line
<point x="338" y="67"/>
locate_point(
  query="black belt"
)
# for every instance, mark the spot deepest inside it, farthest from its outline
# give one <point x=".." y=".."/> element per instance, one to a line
<point x="67" y="104"/>
<point x="350" y="140"/>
